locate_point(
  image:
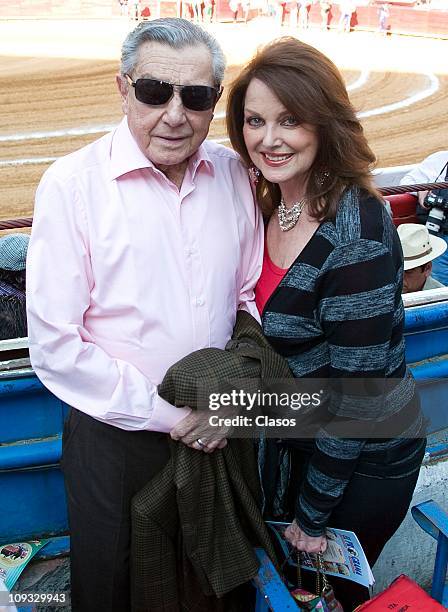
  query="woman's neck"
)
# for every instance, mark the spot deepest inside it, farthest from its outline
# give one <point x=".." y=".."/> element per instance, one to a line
<point x="292" y="193"/>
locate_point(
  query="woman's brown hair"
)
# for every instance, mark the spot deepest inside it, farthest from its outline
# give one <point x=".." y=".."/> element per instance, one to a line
<point x="310" y="87"/>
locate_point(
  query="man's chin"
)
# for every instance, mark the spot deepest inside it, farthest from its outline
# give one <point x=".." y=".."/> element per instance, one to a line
<point x="169" y="160"/>
<point x="171" y="163"/>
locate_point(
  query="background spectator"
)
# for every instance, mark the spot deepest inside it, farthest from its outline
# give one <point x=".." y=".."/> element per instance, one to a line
<point x="293" y="13"/>
<point x="123" y="7"/>
<point x="347" y="8"/>
<point x="208" y="11"/>
<point x="419" y="250"/>
<point x="197" y="10"/>
<point x="432" y="169"/>
<point x="383" y="16"/>
<point x="304" y="8"/>
<point x="245" y="5"/>
<point x="134" y="9"/>
<point x="279" y="7"/>
<point x="234" y="6"/>
<point x="325" y="8"/>
<point x="13" y="249"/>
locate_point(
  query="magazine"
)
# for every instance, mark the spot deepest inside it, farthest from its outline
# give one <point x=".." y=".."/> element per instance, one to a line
<point x="15" y="557"/>
<point x="344" y="556"/>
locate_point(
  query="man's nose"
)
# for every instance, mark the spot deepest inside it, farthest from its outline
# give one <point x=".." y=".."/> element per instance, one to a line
<point x="175" y="110"/>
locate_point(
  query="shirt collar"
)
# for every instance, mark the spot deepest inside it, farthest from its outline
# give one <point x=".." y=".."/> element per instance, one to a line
<point x="201" y="159"/>
<point x="126" y="156"/>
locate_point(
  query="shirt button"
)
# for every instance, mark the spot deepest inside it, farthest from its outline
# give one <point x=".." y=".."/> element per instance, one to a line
<point x="199" y="302"/>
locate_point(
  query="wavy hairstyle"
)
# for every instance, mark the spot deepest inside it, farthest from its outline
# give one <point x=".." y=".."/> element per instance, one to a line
<point x="176" y="33"/>
<point x="310" y="87"/>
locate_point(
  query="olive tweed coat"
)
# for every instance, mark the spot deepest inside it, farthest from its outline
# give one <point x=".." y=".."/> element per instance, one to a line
<point x="195" y="524"/>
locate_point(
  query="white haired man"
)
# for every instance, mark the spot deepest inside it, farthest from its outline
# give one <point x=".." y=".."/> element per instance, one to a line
<point x="420" y="248"/>
<point x="144" y="245"/>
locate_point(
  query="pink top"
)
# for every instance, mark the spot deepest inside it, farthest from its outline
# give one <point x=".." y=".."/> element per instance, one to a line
<point x="127" y="275"/>
<point x="269" y="280"/>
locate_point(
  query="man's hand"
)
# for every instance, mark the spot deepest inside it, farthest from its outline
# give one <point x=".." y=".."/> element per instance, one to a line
<point x="421" y="198"/>
<point x="303" y="542"/>
<point x="196" y="432"/>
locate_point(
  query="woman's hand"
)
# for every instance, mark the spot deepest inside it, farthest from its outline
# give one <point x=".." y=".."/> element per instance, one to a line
<point x="303" y="542"/>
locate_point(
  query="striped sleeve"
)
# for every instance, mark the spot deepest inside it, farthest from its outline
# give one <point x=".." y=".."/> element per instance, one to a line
<point x="357" y="302"/>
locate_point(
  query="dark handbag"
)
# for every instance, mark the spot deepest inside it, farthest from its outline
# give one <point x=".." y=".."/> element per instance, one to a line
<point x="323" y="599"/>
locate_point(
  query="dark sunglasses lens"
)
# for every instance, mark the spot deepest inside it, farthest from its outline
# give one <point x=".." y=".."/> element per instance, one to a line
<point x="198" y="97"/>
<point x="153" y="92"/>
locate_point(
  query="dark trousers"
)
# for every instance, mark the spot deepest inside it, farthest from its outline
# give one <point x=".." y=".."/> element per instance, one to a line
<point x="104" y="467"/>
<point x="373" y="508"/>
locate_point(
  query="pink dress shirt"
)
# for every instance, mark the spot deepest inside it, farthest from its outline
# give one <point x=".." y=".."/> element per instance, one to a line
<point x="126" y="275"/>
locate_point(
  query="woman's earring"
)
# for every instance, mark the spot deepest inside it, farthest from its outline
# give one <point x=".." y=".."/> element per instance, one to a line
<point x="322" y="177"/>
<point x="254" y="174"/>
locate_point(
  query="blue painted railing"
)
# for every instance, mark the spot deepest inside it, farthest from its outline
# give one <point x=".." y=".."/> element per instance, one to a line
<point x="271" y="592"/>
<point x="426" y="329"/>
<point x="432" y="519"/>
<point x="31" y="483"/>
<point x="32" y="418"/>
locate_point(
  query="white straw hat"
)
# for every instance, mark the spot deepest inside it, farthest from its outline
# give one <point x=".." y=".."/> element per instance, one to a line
<point x="419" y="246"/>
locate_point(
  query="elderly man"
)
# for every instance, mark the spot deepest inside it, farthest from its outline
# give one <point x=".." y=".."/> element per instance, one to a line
<point x="420" y="248"/>
<point x="144" y="245"/>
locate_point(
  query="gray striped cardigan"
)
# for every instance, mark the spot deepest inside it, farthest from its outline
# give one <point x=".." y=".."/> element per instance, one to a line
<point x="338" y="314"/>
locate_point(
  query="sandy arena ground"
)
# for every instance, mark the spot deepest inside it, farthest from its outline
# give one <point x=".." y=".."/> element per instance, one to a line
<point x="56" y="76"/>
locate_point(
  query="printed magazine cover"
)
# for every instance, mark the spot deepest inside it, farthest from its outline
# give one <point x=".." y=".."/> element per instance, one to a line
<point x="344" y="556"/>
<point x="15" y="557"/>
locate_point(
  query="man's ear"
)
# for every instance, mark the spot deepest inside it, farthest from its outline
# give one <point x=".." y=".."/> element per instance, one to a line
<point x="123" y="88"/>
<point x="427" y="269"/>
<point x="221" y="89"/>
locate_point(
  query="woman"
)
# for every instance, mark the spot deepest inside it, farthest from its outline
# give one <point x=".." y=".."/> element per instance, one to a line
<point x="330" y="294"/>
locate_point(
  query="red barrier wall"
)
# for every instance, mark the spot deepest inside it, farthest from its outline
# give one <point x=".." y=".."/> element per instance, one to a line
<point x="59" y="8"/>
<point x="402" y="19"/>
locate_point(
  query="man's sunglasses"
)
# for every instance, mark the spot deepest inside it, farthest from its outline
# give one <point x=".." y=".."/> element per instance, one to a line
<point x="194" y="97"/>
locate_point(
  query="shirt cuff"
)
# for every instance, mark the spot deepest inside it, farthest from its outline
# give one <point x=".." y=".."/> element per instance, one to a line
<point x="251" y="308"/>
<point x="165" y="416"/>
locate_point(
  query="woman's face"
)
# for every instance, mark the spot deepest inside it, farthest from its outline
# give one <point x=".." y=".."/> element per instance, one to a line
<point x="281" y="147"/>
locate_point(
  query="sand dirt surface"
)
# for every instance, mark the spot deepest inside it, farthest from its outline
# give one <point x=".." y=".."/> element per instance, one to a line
<point x="48" y="85"/>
